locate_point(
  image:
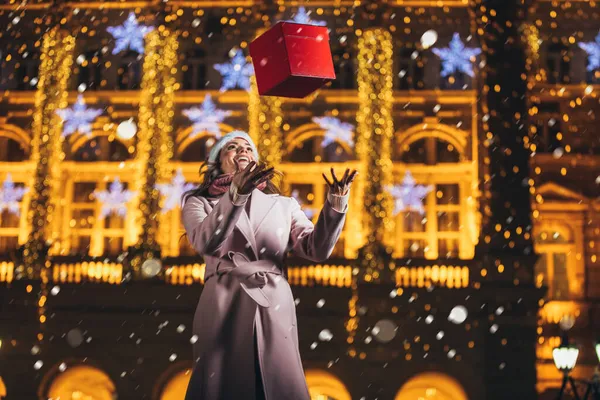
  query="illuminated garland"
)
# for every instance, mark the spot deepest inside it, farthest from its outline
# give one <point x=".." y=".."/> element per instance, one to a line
<point x="375" y="132"/>
<point x="155" y="147"/>
<point x="265" y="120"/>
<point x="55" y="68"/>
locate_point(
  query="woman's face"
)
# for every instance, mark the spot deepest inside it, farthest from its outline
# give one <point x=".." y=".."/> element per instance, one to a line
<point x="236" y="154"/>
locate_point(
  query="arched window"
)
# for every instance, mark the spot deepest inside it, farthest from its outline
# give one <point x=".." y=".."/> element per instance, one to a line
<point x="446" y="225"/>
<point x="197" y="150"/>
<point x="325" y="386"/>
<point x="102" y="148"/>
<point x="410" y="69"/>
<point x="556" y="248"/>
<point x="11" y="150"/>
<point x="558" y="62"/>
<point x="429" y="151"/>
<point x="90" y="69"/>
<point x="311" y="150"/>
<point x="129" y="74"/>
<point x="194" y="70"/>
<point x="82" y="382"/>
<point x="432" y="385"/>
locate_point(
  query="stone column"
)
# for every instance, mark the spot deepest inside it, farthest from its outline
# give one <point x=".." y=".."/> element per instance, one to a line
<point x="505" y="248"/>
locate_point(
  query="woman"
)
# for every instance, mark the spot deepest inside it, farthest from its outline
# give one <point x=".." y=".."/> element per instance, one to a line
<point x="245" y="323"/>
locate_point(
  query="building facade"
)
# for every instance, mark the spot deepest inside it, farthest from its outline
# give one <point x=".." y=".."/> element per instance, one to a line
<point x="464" y="299"/>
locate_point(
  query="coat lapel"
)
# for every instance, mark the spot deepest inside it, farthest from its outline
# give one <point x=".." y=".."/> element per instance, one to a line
<point x="260" y="205"/>
<point x="244" y="226"/>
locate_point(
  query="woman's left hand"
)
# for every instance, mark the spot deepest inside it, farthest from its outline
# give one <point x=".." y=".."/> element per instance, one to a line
<point x="342" y="186"/>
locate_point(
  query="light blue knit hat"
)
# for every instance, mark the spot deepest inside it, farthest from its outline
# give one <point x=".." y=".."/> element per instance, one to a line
<point x="214" y="152"/>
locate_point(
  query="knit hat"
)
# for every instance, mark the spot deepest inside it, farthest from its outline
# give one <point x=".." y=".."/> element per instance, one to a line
<point x="214" y="152"/>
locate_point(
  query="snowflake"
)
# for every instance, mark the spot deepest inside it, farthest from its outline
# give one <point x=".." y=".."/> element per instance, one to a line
<point x="303" y="17"/>
<point x="335" y="130"/>
<point x="408" y="195"/>
<point x="114" y="200"/>
<point x="236" y="73"/>
<point x="130" y="35"/>
<point x="457" y="57"/>
<point x="174" y="190"/>
<point x="308" y="211"/>
<point x="79" y="118"/>
<point x="10" y="196"/>
<point x="206" y="118"/>
<point x="593" y="50"/>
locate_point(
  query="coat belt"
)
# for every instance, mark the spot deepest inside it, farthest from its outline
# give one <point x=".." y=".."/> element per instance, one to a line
<point x="251" y="274"/>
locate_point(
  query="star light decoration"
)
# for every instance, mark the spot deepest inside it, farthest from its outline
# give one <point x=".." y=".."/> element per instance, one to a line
<point x="206" y="118"/>
<point x="593" y="50"/>
<point x="335" y="130"/>
<point x="10" y="196"/>
<point x="79" y="118"/>
<point x="303" y="17"/>
<point x="174" y="190"/>
<point x="408" y="195"/>
<point x="457" y="57"/>
<point x="115" y="199"/>
<point x="130" y="35"/>
<point x="235" y="73"/>
<point x="308" y="211"/>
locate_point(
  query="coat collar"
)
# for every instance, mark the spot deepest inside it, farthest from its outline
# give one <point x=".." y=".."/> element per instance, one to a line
<point x="249" y="225"/>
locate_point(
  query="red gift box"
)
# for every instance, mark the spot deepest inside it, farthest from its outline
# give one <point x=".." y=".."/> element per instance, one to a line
<point x="292" y="60"/>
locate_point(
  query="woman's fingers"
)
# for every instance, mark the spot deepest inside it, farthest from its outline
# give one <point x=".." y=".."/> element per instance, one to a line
<point x="352" y="176"/>
<point x="335" y="180"/>
<point x="345" y="177"/>
<point x="327" y="180"/>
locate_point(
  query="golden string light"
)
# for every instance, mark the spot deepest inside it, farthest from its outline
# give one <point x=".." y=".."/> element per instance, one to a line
<point x="375" y="132"/>
<point x="264" y="121"/>
<point x="155" y="147"/>
<point x="55" y="68"/>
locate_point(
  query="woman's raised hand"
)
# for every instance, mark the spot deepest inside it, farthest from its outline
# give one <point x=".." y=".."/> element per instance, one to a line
<point x="250" y="177"/>
<point x="342" y="186"/>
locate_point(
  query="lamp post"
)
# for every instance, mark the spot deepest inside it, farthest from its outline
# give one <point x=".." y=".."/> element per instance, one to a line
<point x="565" y="359"/>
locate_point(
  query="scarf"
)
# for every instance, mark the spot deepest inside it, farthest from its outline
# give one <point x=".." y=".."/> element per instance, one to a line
<point x="222" y="182"/>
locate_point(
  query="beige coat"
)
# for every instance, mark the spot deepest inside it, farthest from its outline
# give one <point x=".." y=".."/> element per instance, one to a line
<point x="246" y="289"/>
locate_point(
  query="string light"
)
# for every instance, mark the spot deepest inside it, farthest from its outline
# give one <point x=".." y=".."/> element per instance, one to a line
<point x="375" y="132"/>
<point x="264" y="120"/>
<point x="155" y="147"/>
<point x="51" y="95"/>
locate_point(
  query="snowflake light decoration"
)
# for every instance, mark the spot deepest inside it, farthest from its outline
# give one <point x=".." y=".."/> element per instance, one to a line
<point x="457" y="57"/>
<point x="303" y="17"/>
<point x="174" y="190"/>
<point x="593" y="50"/>
<point x="308" y="211"/>
<point x="130" y="35"/>
<point x="10" y="196"/>
<point x="235" y="73"/>
<point x="79" y="118"/>
<point x="115" y="199"/>
<point x="335" y="130"/>
<point x="409" y="195"/>
<point x="206" y="117"/>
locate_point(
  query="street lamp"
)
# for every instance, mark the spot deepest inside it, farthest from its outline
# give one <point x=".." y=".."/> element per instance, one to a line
<point x="565" y="359"/>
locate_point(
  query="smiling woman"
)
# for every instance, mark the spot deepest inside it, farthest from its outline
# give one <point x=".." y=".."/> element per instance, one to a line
<point x="246" y="317"/>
